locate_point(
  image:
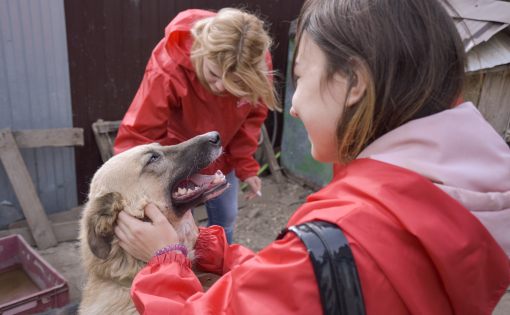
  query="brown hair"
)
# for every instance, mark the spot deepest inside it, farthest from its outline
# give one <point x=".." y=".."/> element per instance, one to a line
<point x="238" y="43"/>
<point x="410" y="49"/>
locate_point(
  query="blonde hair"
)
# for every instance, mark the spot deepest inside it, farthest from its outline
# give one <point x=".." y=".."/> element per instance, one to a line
<point x="237" y="42"/>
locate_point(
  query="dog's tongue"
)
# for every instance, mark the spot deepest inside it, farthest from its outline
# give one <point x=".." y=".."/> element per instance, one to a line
<point x="201" y="180"/>
<point x="197" y="183"/>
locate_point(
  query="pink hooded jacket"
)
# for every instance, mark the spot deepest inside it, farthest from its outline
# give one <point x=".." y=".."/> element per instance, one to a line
<point x="471" y="163"/>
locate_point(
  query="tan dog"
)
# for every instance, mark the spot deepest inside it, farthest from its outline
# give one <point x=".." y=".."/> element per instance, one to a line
<point x="164" y="175"/>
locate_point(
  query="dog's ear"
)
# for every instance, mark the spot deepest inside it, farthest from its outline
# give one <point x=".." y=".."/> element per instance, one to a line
<point x="101" y="223"/>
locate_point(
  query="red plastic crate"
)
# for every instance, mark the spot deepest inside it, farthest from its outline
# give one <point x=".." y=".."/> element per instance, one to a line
<point x="28" y="284"/>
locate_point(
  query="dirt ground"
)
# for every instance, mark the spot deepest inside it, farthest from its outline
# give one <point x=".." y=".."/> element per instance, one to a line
<point x="259" y="221"/>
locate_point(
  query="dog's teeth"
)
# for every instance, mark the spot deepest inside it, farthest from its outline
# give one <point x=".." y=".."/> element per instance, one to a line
<point x="218" y="177"/>
<point x="181" y="191"/>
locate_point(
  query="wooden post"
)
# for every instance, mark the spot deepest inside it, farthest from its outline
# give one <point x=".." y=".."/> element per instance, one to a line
<point x="24" y="188"/>
<point x="274" y="167"/>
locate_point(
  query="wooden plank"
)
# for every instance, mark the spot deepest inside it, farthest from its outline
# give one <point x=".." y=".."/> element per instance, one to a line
<point x="494" y="99"/>
<point x="102" y="126"/>
<point x="104" y="133"/>
<point x="61" y="137"/>
<point x="25" y="191"/>
<point x="473" y="87"/>
<point x="65" y="225"/>
<point x="273" y="163"/>
<point x="64" y="232"/>
<point x="58" y="217"/>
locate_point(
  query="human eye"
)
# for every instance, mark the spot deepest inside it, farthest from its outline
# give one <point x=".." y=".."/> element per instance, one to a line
<point x="295" y="78"/>
<point x="296" y="74"/>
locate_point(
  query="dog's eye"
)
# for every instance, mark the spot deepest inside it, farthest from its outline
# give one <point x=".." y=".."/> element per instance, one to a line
<point x="153" y="158"/>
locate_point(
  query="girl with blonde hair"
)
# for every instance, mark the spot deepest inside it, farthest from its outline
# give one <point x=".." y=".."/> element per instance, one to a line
<point x="211" y="71"/>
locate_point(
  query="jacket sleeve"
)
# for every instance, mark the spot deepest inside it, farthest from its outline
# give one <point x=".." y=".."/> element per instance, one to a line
<point x="214" y="254"/>
<point x="277" y="280"/>
<point x="245" y="142"/>
<point x="147" y="117"/>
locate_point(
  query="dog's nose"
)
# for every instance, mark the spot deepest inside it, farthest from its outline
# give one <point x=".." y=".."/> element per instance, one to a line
<point x="214" y="138"/>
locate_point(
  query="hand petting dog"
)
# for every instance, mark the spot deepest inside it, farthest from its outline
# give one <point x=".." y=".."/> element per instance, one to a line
<point x="137" y="237"/>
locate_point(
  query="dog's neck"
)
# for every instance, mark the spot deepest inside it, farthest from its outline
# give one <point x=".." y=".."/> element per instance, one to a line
<point x="124" y="282"/>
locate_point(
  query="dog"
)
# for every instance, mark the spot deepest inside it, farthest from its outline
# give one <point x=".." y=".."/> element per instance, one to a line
<point x="164" y="175"/>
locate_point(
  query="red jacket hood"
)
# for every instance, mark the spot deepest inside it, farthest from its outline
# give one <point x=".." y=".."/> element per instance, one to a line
<point x="435" y="255"/>
<point x="178" y="37"/>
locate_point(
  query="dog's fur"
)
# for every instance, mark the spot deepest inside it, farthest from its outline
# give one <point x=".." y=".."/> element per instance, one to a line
<point x="128" y="182"/>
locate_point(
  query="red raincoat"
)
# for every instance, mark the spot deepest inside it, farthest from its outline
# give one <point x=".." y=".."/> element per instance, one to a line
<point x="171" y="105"/>
<point x="417" y="251"/>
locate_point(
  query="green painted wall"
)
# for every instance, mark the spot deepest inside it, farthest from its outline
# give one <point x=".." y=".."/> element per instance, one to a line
<point x="295" y="153"/>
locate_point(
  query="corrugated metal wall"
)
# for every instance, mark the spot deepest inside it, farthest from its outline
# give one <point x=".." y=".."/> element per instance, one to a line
<point x="34" y="94"/>
<point x="110" y="43"/>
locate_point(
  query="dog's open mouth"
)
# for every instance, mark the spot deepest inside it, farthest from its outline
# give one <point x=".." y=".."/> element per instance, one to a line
<point x="197" y="189"/>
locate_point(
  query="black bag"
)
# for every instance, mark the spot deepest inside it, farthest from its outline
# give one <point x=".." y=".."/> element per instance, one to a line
<point x="333" y="265"/>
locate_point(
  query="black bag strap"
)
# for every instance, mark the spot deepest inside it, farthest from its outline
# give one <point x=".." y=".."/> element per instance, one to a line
<point x="333" y="265"/>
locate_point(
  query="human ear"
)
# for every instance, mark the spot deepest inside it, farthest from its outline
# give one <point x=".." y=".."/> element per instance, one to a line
<point x="358" y="85"/>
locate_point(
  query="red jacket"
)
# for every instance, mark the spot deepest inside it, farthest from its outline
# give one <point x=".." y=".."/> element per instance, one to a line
<point x="397" y="231"/>
<point x="171" y="105"/>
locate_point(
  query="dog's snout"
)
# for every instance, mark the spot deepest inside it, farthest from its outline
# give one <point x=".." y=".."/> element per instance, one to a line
<point x="214" y="138"/>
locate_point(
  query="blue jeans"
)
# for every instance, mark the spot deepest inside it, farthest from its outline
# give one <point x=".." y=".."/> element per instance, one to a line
<point x="222" y="210"/>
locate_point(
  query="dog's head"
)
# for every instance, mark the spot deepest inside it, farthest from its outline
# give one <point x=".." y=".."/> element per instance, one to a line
<point x="164" y="175"/>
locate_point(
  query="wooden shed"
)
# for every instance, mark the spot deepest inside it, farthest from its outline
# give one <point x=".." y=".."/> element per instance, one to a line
<point x="484" y="28"/>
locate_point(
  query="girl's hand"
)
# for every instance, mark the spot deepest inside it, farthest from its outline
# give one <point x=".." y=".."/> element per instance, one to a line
<point x="255" y="185"/>
<point x="142" y="239"/>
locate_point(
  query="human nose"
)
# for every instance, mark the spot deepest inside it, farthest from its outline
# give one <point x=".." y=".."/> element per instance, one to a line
<point x="293" y="112"/>
<point x="220" y="87"/>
